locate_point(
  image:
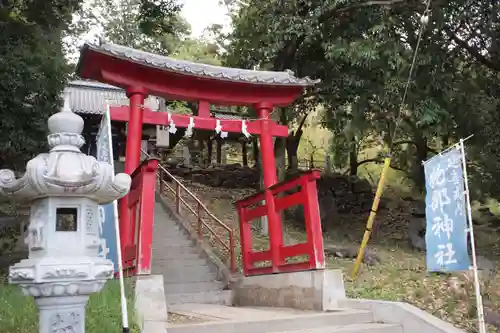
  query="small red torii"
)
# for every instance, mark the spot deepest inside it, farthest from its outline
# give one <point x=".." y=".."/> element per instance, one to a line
<point x="142" y="73"/>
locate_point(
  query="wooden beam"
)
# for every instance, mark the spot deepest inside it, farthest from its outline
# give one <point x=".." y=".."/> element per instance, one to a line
<point x="121" y="113"/>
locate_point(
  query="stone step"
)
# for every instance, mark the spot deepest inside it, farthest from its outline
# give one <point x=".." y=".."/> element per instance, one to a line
<point x="180" y="271"/>
<point x="177" y="246"/>
<point x="196" y="287"/>
<point x="170" y="236"/>
<point x="179" y="277"/>
<point x="198" y="261"/>
<point x="318" y="322"/>
<point x="224" y="297"/>
<point x="180" y="241"/>
<point x="355" y="328"/>
<point x="171" y="229"/>
<point x="167" y="254"/>
<point x="228" y="313"/>
<point x="186" y="261"/>
<point x="174" y="230"/>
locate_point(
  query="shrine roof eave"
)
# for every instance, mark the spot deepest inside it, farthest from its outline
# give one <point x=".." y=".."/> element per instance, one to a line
<point x="187" y="68"/>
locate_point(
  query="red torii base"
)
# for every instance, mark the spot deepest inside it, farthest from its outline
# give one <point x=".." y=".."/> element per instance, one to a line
<point x="254" y="207"/>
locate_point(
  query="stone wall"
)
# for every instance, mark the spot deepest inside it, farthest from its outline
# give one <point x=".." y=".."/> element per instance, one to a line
<point x="337" y="195"/>
<point x="226" y="176"/>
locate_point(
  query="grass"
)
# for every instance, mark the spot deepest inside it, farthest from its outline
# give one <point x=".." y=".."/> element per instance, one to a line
<point x="19" y="314"/>
<point x="402" y="277"/>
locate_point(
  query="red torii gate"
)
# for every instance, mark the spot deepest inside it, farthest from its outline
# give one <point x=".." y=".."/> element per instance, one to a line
<point x="142" y="73"/>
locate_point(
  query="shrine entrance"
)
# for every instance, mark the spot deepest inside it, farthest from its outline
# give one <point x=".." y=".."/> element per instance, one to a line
<point x="140" y="74"/>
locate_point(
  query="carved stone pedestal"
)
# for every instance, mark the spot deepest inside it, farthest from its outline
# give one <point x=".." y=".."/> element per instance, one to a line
<point x="62" y="314"/>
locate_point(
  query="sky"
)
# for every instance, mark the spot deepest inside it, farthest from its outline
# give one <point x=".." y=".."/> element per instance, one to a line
<point x="203" y="13"/>
<point x="200" y="14"/>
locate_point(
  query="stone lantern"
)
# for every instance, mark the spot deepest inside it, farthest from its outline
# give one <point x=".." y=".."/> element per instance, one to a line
<point x="64" y="188"/>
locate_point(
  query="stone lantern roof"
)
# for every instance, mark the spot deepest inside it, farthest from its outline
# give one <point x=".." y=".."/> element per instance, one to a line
<point x="65" y="170"/>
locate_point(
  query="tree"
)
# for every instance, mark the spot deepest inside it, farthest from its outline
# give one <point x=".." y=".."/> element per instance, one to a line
<point x="363" y="51"/>
<point x="33" y="74"/>
<point x="153" y="26"/>
<point x="309" y="39"/>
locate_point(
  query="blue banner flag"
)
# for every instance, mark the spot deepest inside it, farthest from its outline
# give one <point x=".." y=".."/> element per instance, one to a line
<point x="446" y="234"/>
<point x="107" y="228"/>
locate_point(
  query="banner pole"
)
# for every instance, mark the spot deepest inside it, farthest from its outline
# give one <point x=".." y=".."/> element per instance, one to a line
<point x="371" y="218"/>
<point x="477" y="287"/>
<point x="123" y="298"/>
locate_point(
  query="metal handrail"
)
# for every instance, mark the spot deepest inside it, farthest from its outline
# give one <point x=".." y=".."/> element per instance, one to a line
<point x="201" y="223"/>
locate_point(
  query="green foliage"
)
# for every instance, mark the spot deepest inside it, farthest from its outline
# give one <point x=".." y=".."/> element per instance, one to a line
<point x="154" y="26"/>
<point x="33" y="74"/>
<point x="55" y="14"/>
<point x="159" y="17"/>
<point x="362" y="51"/>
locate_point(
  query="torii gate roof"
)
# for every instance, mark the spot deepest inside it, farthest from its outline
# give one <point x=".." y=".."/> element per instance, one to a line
<point x="126" y="67"/>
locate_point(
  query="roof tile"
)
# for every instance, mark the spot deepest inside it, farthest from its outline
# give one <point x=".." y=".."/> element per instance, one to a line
<point x="285" y="78"/>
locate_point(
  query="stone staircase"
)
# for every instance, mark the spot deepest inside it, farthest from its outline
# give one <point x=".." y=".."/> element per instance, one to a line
<point x="188" y="275"/>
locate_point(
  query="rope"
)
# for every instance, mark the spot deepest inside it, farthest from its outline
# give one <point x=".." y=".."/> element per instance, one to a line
<point x="423" y="23"/>
<point x="371" y="219"/>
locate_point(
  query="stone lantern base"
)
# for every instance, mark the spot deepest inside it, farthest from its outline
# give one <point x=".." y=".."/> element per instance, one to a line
<point x="62" y="314"/>
<point x="61" y="288"/>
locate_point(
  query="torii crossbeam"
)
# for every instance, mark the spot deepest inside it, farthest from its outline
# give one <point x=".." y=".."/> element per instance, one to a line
<point x="122" y="113"/>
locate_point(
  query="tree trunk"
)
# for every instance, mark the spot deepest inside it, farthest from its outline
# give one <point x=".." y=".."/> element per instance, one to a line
<point x="279" y="155"/>
<point x="353" y="158"/>
<point x="244" y="153"/>
<point x="420" y="156"/>
<point x="280" y="148"/>
<point x="201" y="152"/>
<point x="292" y="145"/>
<point x="219" y="151"/>
<point x="193" y="151"/>
<point x="446" y="141"/>
<point x="210" y="149"/>
<point x="256" y="154"/>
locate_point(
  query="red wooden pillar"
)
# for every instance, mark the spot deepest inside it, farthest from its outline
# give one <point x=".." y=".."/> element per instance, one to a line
<point x="148" y="184"/>
<point x="313" y="221"/>
<point x="132" y="157"/>
<point x="269" y="175"/>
